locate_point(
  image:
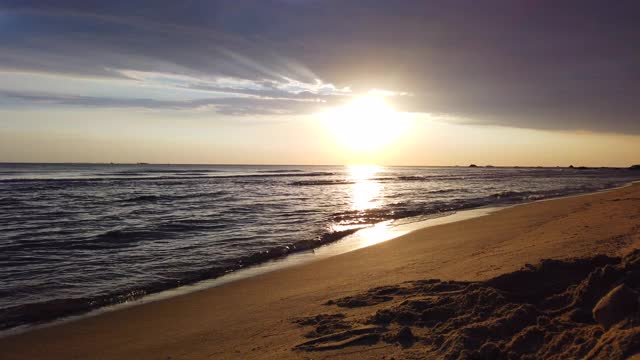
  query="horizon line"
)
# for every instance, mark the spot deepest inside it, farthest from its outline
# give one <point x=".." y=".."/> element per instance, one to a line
<point x="472" y="165"/>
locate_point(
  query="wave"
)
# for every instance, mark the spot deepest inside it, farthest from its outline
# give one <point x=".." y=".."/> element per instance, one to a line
<point x="117" y="239"/>
<point x="280" y="171"/>
<point x="39" y="312"/>
<point x="378" y="179"/>
<point x="132" y="237"/>
<point x="430" y="177"/>
<point x="142" y="198"/>
<point x="157" y="198"/>
<point x="7" y="201"/>
<point x="295" y="174"/>
<point x="321" y="182"/>
<point x="448" y="191"/>
<point x="120" y="177"/>
<point x="164" y="171"/>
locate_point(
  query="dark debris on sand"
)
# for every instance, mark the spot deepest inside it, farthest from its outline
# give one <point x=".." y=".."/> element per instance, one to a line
<point x="580" y="308"/>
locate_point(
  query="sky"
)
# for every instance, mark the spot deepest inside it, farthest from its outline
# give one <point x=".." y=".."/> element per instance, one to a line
<point x="512" y="82"/>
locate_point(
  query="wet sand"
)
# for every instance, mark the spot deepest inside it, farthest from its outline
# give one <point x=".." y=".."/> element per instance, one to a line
<point x="267" y="316"/>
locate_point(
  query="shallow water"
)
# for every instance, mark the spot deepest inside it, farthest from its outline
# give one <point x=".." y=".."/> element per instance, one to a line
<point x="76" y="237"/>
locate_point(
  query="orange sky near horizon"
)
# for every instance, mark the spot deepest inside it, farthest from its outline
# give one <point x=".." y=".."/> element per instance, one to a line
<point x="141" y="136"/>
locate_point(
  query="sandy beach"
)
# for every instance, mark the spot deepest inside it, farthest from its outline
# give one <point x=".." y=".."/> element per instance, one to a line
<point x="263" y="317"/>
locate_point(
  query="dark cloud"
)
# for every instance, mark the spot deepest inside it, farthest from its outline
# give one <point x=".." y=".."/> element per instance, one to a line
<point x="538" y="64"/>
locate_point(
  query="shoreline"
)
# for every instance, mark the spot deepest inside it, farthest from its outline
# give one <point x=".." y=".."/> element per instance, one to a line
<point x="472" y="249"/>
<point x="352" y="241"/>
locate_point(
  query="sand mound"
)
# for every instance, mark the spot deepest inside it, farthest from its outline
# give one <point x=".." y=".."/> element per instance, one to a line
<point x="579" y="308"/>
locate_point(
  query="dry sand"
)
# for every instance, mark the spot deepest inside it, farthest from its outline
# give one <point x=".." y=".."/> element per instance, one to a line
<point x="268" y="316"/>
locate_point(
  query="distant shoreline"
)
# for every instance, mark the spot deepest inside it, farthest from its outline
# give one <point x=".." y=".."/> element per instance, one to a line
<point x="230" y="164"/>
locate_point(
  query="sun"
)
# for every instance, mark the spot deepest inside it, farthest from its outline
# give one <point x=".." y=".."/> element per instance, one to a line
<point x="365" y="124"/>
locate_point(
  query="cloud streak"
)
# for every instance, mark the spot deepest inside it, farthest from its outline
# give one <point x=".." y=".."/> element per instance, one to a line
<point x="222" y="105"/>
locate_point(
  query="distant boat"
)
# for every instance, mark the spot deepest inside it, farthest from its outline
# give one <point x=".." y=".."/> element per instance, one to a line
<point x="142" y="163"/>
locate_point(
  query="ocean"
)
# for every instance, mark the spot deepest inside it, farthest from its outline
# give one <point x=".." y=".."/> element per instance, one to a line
<point x="76" y="237"/>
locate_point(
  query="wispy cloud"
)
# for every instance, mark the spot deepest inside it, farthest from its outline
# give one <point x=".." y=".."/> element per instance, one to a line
<point x="226" y="95"/>
<point x="249" y="105"/>
<point x="284" y="88"/>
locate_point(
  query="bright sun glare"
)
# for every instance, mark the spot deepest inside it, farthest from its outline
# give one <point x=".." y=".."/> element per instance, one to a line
<point x="365" y="124"/>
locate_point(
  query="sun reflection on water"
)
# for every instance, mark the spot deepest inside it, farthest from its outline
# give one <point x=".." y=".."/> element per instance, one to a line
<point x="363" y="172"/>
<point x="365" y="191"/>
